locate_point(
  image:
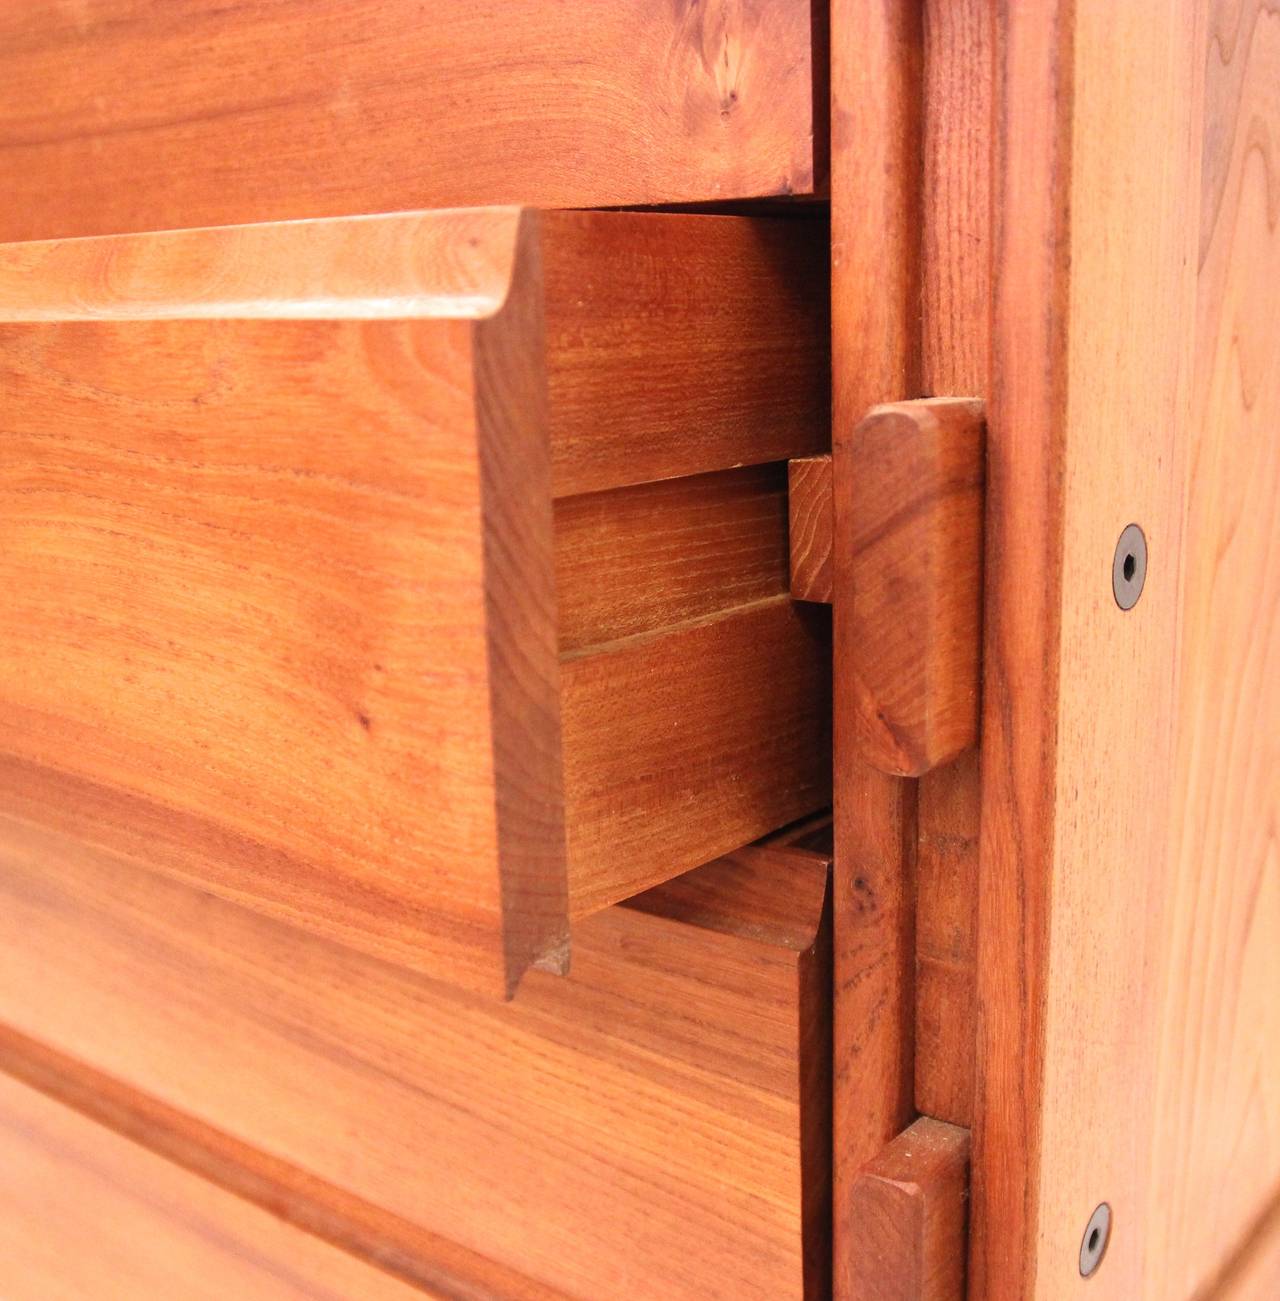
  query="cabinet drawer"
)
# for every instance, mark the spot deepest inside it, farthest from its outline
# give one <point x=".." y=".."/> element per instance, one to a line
<point x="200" y="113"/>
<point x="84" y="1212"/>
<point x="283" y="514"/>
<point x="654" y="1125"/>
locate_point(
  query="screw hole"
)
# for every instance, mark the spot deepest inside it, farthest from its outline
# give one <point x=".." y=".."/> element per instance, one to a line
<point x="1093" y="1240"/>
<point x="1129" y="566"/>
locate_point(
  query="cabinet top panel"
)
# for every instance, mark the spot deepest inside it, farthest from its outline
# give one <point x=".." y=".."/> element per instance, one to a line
<point x="120" y="116"/>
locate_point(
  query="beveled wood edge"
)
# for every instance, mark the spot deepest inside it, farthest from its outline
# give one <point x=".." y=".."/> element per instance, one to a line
<point x="450" y="264"/>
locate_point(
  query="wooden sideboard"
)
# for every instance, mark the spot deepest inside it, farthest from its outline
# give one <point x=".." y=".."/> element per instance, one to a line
<point x="640" y="650"/>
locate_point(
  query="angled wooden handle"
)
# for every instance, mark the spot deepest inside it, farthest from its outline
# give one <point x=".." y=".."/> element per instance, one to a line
<point x="909" y="562"/>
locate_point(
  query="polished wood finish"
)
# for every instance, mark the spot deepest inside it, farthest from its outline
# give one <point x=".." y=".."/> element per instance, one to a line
<point x="85" y="1212"/>
<point x="809" y="497"/>
<point x="1130" y="915"/>
<point x="875" y="297"/>
<point x="675" y="344"/>
<point x="217" y="538"/>
<point x="1253" y="1273"/>
<point x="915" y="581"/>
<point x="911" y="1203"/>
<point x="955" y="358"/>
<point x="434" y="1265"/>
<point x="439" y="774"/>
<point x="946" y="939"/>
<point x="654" y="1124"/>
<point x="117" y="116"/>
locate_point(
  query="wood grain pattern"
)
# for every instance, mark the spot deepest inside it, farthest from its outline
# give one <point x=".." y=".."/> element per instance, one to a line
<point x="679" y="344"/>
<point x="85" y="1212"/>
<point x="689" y="547"/>
<point x="1253" y="1274"/>
<point x="648" y="1126"/>
<point x="955" y="358"/>
<point x="675" y="740"/>
<point x="911" y="1203"/>
<point x="915" y="581"/>
<point x="875" y="295"/>
<point x="115" y="116"/>
<point x="1143" y="751"/>
<point x="675" y="343"/>
<point x="946" y="938"/>
<point x="811" y="527"/>
<point x="312" y="590"/>
<point x="226" y="630"/>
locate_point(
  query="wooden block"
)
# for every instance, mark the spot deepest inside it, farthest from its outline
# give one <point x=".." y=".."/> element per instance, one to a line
<point x="655" y="1124"/>
<point x="85" y="1212"/>
<point x="916" y="581"/>
<point x="201" y="115"/>
<point x="300" y="638"/>
<point x="812" y="527"/>
<point x="910" y="1204"/>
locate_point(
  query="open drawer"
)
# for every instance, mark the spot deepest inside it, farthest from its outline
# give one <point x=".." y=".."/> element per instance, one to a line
<point x="420" y="580"/>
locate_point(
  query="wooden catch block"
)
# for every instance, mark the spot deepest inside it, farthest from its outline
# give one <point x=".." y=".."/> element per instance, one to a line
<point x="916" y="581"/>
<point x="910" y="1205"/>
<point x="812" y="527"/>
<point x="195" y="113"/>
<point x="283" y="513"/>
<point x="655" y="1124"/>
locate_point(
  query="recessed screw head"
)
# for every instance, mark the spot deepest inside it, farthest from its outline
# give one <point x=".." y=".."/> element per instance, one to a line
<point x="1129" y="567"/>
<point x="1097" y="1233"/>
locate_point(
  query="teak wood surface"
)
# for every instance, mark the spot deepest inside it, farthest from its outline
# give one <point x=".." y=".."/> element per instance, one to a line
<point x="299" y="638"/>
<point x="911" y="1205"/>
<point x="116" y="115"/>
<point x="1130" y="892"/>
<point x="86" y="1213"/>
<point x="915" y="581"/>
<point x="653" y="1125"/>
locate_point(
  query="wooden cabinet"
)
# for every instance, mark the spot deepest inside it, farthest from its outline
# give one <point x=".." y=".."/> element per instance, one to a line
<point x="638" y="649"/>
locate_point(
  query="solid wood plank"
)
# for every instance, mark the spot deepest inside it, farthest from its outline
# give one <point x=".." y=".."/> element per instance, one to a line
<point x="675" y="343"/>
<point x="955" y="358"/>
<point x="354" y="409"/>
<point x="676" y="740"/>
<point x="1032" y="57"/>
<point x="682" y="343"/>
<point x="216" y="535"/>
<point x="1148" y="739"/>
<point x="121" y="117"/>
<point x="648" y="1125"/>
<point x="875" y="295"/>
<point x="689" y="547"/>
<point x="85" y="1212"/>
<point x="915" y="581"/>
<point x="810" y="513"/>
<point x="946" y="939"/>
<point x="911" y="1202"/>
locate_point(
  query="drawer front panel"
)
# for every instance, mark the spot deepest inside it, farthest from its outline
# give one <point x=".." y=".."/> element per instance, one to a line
<point x="653" y="1125"/>
<point x="280" y="544"/>
<point x="85" y="1212"/>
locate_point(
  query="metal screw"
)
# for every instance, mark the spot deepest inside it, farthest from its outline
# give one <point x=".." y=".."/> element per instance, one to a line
<point x="1097" y="1233"/>
<point x="1129" y="567"/>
